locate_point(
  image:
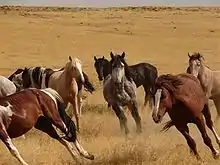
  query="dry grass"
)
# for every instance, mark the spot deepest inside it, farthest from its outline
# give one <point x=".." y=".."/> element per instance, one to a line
<point x="161" y="36"/>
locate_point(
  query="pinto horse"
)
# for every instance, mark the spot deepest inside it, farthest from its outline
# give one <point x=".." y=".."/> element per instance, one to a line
<point x="143" y="74"/>
<point x="42" y="109"/>
<point x="68" y="82"/>
<point x="182" y="97"/>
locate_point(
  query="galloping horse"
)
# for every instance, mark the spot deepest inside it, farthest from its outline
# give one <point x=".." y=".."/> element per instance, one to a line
<point x="209" y="79"/>
<point x="39" y="108"/>
<point x="182" y="97"/>
<point x="68" y="82"/>
<point x="143" y="74"/>
<point x="119" y="92"/>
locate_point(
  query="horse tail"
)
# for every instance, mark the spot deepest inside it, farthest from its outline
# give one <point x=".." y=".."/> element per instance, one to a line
<point x="71" y="133"/>
<point x="167" y="126"/>
<point x="87" y="84"/>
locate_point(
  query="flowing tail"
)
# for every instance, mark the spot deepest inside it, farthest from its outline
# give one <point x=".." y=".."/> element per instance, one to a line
<point x="87" y="84"/>
<point x="167" y="126"/>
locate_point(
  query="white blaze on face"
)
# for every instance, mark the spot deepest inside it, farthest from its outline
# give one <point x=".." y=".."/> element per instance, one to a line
<point x="157" y="102"/>
<point x="118" y="73"/>
<point x="195" y="66"/>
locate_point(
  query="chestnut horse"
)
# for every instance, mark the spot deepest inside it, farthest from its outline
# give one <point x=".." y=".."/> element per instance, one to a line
<point x="42" y="109"/>
<point x="182" y="97"/>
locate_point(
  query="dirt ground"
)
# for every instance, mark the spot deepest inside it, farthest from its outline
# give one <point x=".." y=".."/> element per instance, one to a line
<point x="160" y="36"/>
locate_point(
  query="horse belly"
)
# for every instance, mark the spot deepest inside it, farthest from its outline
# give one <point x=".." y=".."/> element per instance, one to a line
<point x="21" y="124"/>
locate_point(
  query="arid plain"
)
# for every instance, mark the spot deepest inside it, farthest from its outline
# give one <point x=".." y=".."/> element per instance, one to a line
<point x="160" y="36"/>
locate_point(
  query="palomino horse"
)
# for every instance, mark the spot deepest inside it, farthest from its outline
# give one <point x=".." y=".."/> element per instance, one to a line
<point x="143" y="74"/>
<point x="119" y="92"/>
<point x="67" y="81"/>
<point x="42" y="109"/>
<point x="182" y="97"/>
<point x="6" y="87"/>
<point x="209" y="79"/>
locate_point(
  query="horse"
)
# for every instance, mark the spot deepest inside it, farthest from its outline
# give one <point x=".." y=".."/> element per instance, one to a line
<point x="42" y="109"/>
<point x="182" y="97"/>
<point x="6" y="87"/>
<point x="68" y="82"/>
<point x="209" y="79"/>
<point x="120" y="92"/>
<point x="143" y="74"/>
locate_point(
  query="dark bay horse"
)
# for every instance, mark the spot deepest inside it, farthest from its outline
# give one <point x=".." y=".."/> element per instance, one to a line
<point x="143" y="74"/>
<point x="42" y="109"/>
<point x="182" y="97"/>
<point x="118" y="91"/>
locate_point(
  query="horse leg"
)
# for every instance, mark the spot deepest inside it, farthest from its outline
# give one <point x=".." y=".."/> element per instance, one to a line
<point x="146" y="97"/>
<point x="122" y="118"/>
<point x="201" y="126"/>
<point x="133" y="107"/>
<point x="209" y="123"/>
<point x="43" y="124"/>
<point x="76" y="112"/>
<point x="7" y="141"/>
<point x="184" y="130"/>
<point x="80" y="101"/>
<point x="217" y="106"/>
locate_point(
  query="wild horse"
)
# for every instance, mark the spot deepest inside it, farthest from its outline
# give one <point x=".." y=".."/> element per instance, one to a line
<point x="118" y="91"/>
<point x="68" y="81"/>
<point x="182" y="97"/>
<point x="42" y="109"/>
<point x="209" y="79"/>
<point x="143" y="74"/>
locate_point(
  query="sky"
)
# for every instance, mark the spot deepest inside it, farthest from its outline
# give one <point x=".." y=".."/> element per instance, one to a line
<point x="108" y="3"/>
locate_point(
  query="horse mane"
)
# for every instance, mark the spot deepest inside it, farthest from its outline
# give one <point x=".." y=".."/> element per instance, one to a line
<point x="168" y="81"/>
<point x="18" y="71"/>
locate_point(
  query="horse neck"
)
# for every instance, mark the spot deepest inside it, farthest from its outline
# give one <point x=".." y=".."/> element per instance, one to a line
<point x="205" y="74"/>
<point x="106" y="68"/>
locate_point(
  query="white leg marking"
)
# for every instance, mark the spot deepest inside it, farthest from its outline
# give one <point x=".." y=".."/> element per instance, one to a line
<point x="217" y="138"/>
<point x="15" y="152"/>
<point x="81" y="149"/>
<point x="70" y="149"/>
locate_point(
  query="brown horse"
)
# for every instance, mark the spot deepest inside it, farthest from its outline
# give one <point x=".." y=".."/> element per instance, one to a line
<point x="183" y="98"/>
<point x="42" y="109"/>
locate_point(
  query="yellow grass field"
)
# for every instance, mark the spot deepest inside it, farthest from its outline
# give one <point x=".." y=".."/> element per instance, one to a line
<point x="160" y="36"/>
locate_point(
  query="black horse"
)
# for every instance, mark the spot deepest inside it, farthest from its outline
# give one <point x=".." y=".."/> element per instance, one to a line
<point x="143" y="74"/>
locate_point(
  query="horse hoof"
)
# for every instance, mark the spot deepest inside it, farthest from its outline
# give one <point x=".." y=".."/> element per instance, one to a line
<point x="216" y="155"/>
<point x="91" y="157"/>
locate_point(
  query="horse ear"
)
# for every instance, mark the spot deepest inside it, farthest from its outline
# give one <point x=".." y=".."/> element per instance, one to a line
<point x="103" y="57"/>
<point x="112" y="55"/>
<point x="95" y="58"/>
<point x="189" y="55"/>
<point x="123" y="54"/>
<point x="70" y="58"/>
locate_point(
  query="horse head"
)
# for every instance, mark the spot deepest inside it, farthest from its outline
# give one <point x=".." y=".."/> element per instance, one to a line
<point x="164" y="96"/>
<point x="100" y="66"/>
<point x="74" y="68"/>
<point x="195" y="62"/>
<point x="118" y="69"/>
